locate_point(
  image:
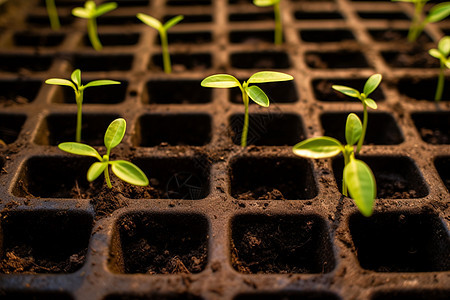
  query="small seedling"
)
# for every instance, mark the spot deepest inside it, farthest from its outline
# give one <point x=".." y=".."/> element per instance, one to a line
<point x="437" y="13"/>
<point x="162" y="29"/>
<point x="254" y="92"/>
<point x="79" y="91"/>
<point x="123" y="169"/>
<point x="370" y="86"/>
<point x="52" y="14"/>
<point x="357" y="178"/>
<point x="91" y="12"/>
<point x="278" y="23"/>
<point x="442" y="53"/>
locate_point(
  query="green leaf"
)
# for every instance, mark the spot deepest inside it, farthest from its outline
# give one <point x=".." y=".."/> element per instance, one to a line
<point x="353" y="129"/>
<point x="129" y="172"/>
<point x="220" y="81"/>
<point x="438" y="12"/>
<point x="115" y="133"/>
<point x="79" y="149"/>
<point x="371" y="84"/>
<point x="319" y="147"/>
<point x="150" y="21"/>
<point x="361" y="185"/>
<point x="257" y="95"/>
<point x="58" y="81"/>
<point x="444" y="46"/>
<point x="435" y="53"/>
<point x="104" y="8"/>
<point x="264" y="3"/>
<point x="371" y="103"/>
<point x="95" y="170"/>
<point x="269" y="76"/>
<point x="347" y="91"/>
<point x="447" y="64"/>
<point x="101" y="82"/>
<point x="172" y="22"/>
<point x="80" y="12"/>
<point x="76" y="77"/>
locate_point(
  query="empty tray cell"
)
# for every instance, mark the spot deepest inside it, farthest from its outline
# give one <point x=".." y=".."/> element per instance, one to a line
<point x="53" y="177"/>
<point x="271" y="129"/>
<point x="174" y="130"/>
<point x="249" y="17"/>
<point x="326" y="35"/>
<point x="183" y="91"/>
<point x="33" y="39"/>
<point x="395" y="35"/>
<point x="382" y="15"/>
<point x="183" y="62"/>
<point x="433" y="127"/>
<point x="114" y="39"/>
<point x="18" y="91"/>
<point x="188" y="3"/>
<point x="252" y="37"/>
<point x="317" y="15"/>
<point x="397" y="177"/>
<point x="10" y="127"/>
<point x="165" y="243"/>
<point x="442" y="165"/>
<point x="278" y="92"/>
<point x="58" y="128"/>
<point x="42" y="20"/>
<point x="188" y="18"/>
<point x="123" y="3"/>
<point x="401" y="242"/>
<point x="410" y="59"/>
<point x="34" y="295"/>
<point x="22" y="62"/>
<point x="288" y="296"/>
<point x="106" y="62"/>
<point x="269" y="178"/>
<point x="44" y="241"/>
<point x="182" y="296"/>
<point x="323" y="90"/>
<point x="199" y="37"/>
<point x="286" y="244"/>
<point x="64" y="3"/>
<point x="260" y="60"/>
<point x="336" y="60"/>
<point x="177" y="177"/>
<point x="109" y="94"/>
<point x="412" y="294"/>
<point x="381" y="128"/>
<point x="118" y="20"/>
<point x="422" y="89"/>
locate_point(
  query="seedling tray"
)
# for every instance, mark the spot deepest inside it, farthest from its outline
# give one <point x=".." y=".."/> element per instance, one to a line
<point x="222" y="222"/>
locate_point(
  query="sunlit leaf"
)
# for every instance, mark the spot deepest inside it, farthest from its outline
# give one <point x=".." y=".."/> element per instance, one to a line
<point x="371" y="103"/>
<point x="58" y="81"/>
<point x="81" y="13"/>
<point x="319" y="147"/>
<point x="150" y="21"/>
<point x="129" y="172"/>
<point x="220" y="81"/>
<point x="101" y="82"/>
<point x="76" y="77"/>
<point x="353" y="129"/>
<point x="264" y="3"/>
<point x="115" y="133"/>
<point x="444" y="46"/>
<point x="257" y="95"/>
<point x="269" y="76"/>
<point x="347" y="91"/>
<point x="79" y="149"/>
<point x="371" y="84"/>
<point x="439" y="12"/>
<point x="104" y="8"/>
<point x="435" y="53"/>
<point x="95" y="170"/>
<point x="172" y="22"/>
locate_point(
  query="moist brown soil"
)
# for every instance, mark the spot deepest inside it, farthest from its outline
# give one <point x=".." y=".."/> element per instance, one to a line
<point x="261" y="193"/>
<point x="434" y="136"/>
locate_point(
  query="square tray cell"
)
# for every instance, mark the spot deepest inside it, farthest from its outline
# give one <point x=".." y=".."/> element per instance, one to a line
<point x="44" y="241"/>
<point x="396" y="35"/>
<point x="381" y="128"/>
<point x="34" y="295"/>
<point x="169" y="243"/>
<point x="115" y="20"/>
<point x="382" y="15"/>
<point x="52" y="177"/>
<point x="260" y="60"/>
<point x="278" y="92"/>
<point x="183" y="91"/>
<point x="401" y="242"/>
<point x="188" y="18"/>
<point x="323" y="90"/>
<point x="10" y="127"/>
<point x="268" y="178"/>
<point x="33" y="39"/>
<point x="123" y="3"/>
<point x="104" y="62"/>
<point x="397" y="177"/>
<point x="433" y="127"/>
<point x="183" y="62"/>
<point x="410" y="59"/>
<point x="64" y="3"/>
<point x="422" y="89"/>
<point x="252" y="37"/>
<point x="271" y="129"/>
<point x="18" y="91"/>
<point x="317" y="15"/>
<point x="16" y="63"/>
<point x="182" y="296"/>
<point x="38" y="20"/>
<point x="58" y="128"/>
<point x="188" y="3"/>
<point x="109" y="94"/>
<point x="442" y="165"/>
<point x="114" y="39"/>
<point x="412" y="294"/>
<point x="250" y="17"/>
<point x="326" y="35"/>
<point x="285" y="244"/>
<point x="288" y="296"/>
<point x="336" y="60"/>
<point x="173" y="129"/>
<point x="177" y="177"/>
<point x="186" y="38"/>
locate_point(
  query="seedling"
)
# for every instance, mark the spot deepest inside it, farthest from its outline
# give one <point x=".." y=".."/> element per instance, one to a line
<point x="370" y="86"/>
<point x="79" y="91"/>
<point x="442" y="53"/>
<point x="437" y="13"/>
<point x="254" y="92"/>
<point x="91" y="12"/>
<point x="162" y="29"/>
<point x="357" y="178"/>
<point x="123" y="169"/>
<point x="52" y="14"/>
<point x="278" y="23"/>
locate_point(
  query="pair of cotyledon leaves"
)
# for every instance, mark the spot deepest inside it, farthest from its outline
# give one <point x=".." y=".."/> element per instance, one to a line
<point x="91" y="10"/>
<point x="155" y="23"/>
<point x="370" y="86"/>
<point x="443" y="51"/>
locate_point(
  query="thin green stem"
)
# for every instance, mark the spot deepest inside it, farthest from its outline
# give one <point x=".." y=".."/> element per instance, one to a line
<point x="108" y="181"/>
<point x="416" y="25"/>
<point x="165" y="52"/>
<point x="364" y="128"/>
<point x="93" y="35"/>
<point x="344" y="183"/>
<point x="278" y="25"/>
<point x="440" y="85"/>
<point x="245" y="129"/>
<point x="52" y="14"/>
<point x="79" y="101"/>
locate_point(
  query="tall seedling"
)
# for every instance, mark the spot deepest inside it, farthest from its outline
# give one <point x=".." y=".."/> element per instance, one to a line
<point x="277" y="14"/>
<point x="52" y="14"/>
<point x="442" y="53"/>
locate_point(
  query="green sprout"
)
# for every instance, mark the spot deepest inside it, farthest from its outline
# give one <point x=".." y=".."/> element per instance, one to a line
<point x="52" y="14"/>
<point x="278" y="23"/>
<point x="437" y="13"/>
<point x="162" y="29"/>
<point x="91" y="12"/>
<point x="357" y="178"/>
<point x="79" y="91"/>
<point x="370" y="86"/>
<point x="442" y="53"/>
<point x="123" y="169"/>
<point x="254" y="92"/>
